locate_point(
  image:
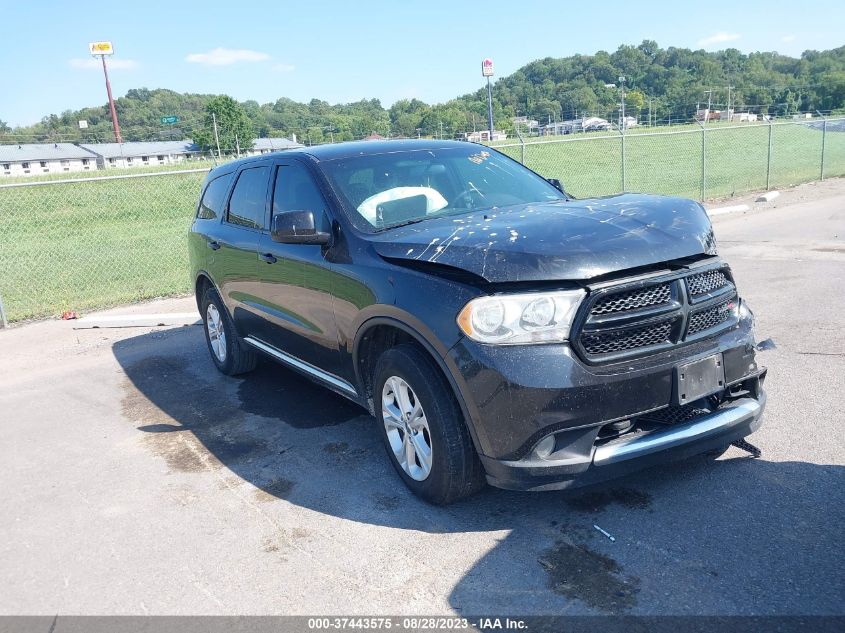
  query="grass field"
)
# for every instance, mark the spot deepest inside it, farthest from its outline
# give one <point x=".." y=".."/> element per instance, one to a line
<point x="120" y="171"/>
<point x="670" y="162"/>
<point x="90" y="244"/>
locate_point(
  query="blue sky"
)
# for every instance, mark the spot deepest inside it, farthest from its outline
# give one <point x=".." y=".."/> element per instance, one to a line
<point x="345" y="51"/>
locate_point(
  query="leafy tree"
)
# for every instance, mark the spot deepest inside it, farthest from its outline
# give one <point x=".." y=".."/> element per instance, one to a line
<point x="675" y="79"/>
<point x="234" y="129"/>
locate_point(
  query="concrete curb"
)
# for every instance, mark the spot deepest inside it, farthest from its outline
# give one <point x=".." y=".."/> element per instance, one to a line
<point x="730" y="209"/>
<point x="136" y="320"/>
<point x="768" y="196"/>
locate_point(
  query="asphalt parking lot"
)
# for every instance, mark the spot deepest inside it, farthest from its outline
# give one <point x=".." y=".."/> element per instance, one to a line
<point x="138" y="480"/>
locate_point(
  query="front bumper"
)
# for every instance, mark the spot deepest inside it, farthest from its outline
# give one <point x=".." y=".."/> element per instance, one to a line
<point x="733" y="421"/>
<point x="517" y="396"/>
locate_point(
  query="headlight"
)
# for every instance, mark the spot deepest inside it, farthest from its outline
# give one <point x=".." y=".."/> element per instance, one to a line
<point x="537" y="317"/>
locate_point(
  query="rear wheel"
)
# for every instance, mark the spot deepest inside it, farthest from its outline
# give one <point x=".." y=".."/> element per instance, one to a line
<point x="228" y="351"/>
<point x="423" y="428"/>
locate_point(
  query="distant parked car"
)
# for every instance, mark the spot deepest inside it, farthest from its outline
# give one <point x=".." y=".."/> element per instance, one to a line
<point x="497" y="328"/>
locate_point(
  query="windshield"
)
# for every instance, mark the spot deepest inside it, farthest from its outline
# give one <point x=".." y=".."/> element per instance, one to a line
<point x="397" y="188"/>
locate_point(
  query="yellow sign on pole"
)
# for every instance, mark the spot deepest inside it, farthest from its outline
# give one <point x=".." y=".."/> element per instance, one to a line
<point x="101" y="48"/>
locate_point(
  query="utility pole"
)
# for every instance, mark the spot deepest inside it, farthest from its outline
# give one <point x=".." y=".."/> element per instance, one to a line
<point x="237" y="146"/>
<point x="622" y="83"/>
<point x="441" y="130"/>
<point x="216" y="137"/>
<point x="707" y="111"/>
<point x="730" y="114"/>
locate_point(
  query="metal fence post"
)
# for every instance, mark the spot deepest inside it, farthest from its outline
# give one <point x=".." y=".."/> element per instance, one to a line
<point x="703" y="162"/>
<point x="824" y="138"/>
<point x="769" y="159"/>
<point x="622" y="132"/>
<point x="4" y="323"/>
<point x="522" y="145"/>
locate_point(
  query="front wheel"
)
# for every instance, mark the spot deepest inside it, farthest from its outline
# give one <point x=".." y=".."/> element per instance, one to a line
<point x="423" y="428"/>
<point x="229" y="353"/>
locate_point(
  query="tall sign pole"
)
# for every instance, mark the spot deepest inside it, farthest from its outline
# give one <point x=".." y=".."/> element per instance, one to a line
<point x="101" y="49"/>
<point x="487" y="71"/>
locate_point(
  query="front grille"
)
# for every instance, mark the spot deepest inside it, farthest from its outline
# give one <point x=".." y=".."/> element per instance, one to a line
<point x="632" y="300"/>
<point x="702" y="283"/>
<point x="640" y="317"/>
<point x="675" y="414"/>
<point x="623" y="340"/>
<point x="711" y="317"/>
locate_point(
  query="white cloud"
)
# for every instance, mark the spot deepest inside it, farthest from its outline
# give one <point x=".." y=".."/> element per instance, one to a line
<point x="114" y="63"/>
<point x="719" y="38"/>
<point x="226" y="56"/>
<point x="788" y="38"/>
<point x="284" y="68"/>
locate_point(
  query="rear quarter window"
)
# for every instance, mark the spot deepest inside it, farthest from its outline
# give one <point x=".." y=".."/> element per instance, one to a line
<point x="249" y="197"/>
<point x="214" y="197"/>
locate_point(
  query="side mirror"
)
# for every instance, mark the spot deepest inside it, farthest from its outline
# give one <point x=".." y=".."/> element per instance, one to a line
<point x="556" y="184"/>
<point x="296" y="227"/>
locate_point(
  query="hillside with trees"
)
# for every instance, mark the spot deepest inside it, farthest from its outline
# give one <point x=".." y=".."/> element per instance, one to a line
<point x="661" y="85"/>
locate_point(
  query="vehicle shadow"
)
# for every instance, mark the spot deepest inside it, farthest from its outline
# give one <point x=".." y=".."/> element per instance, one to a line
<point x="695" y="537"/>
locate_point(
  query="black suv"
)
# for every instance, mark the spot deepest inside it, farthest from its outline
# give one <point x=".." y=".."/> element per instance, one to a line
<point x="495" y="327"/>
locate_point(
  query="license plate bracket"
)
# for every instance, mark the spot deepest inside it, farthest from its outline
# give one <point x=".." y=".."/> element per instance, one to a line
<point x="699" y="378"/>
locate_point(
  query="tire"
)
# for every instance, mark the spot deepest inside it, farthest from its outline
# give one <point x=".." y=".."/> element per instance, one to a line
<point x="454" y="470"/>
<point x="229" y="353"/>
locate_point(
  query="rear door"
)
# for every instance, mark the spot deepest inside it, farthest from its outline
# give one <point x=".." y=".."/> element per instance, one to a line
<point x="295" y="288"/>
<point x="233" y="255"/>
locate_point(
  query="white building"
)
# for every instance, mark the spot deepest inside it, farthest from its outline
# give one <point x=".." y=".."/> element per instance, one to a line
<point x="31" y="159"/>
<point x="558" y="128"/>
<point x="589" y="124"/>
<point x="483" y="136"/>
<point x="267" y="145"/>
<point x="142" y="154"/>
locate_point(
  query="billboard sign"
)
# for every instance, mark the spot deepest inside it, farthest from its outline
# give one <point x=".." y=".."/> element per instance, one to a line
<point x="101" y="48"/>
<point x="487" y="68"/>
<point x="169" y="120"/>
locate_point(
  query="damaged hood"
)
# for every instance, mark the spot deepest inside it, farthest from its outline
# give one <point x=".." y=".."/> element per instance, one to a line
<point x="571" y="239"/>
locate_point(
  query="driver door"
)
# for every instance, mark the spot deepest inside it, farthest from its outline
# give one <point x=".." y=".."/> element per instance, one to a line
<point x="295" y="280"/>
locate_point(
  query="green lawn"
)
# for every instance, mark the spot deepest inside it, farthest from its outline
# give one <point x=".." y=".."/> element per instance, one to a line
<point x="91" y="244"/>
<point x="96" y="243"/>
<point x="670" y="162"/>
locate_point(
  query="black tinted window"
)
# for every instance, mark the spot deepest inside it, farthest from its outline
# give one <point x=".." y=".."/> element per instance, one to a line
<point x="214" y="197"/>
<point x="246" y="206"/>
<point x="296" y="190"/>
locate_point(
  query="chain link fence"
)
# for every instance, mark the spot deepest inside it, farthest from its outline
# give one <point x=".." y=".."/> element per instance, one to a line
<point x="698" y="161"/>
<point x="91" y="242"/>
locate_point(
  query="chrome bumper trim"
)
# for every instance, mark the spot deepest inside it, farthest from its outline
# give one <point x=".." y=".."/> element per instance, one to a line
<point x="709" y="425"/>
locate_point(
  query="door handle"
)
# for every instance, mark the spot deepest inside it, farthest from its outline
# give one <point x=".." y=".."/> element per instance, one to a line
<point x="213" y="244"/>
<point x="267" y="257"/>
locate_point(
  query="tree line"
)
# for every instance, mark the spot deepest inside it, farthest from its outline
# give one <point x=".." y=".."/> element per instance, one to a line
<point x="660" y="84"/>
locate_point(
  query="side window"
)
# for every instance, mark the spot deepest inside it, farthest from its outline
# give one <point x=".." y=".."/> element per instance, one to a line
<point x="246" y="206"/>
<point x="214" y="197"/>
<point x="296" y="190"/>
